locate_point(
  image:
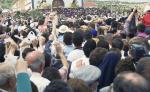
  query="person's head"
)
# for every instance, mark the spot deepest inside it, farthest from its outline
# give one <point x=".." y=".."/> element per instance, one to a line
<point x="88" y="47"/>
<point x="92" y="25"/>
<point x="125" y="65"/>
<point x="117" y="43"/>
<point x="140" y="27"/>
<point x="26" y="51"/>
<point x="36" y="61"/>
<point x="109" y="38"/>
<point x="41" y="22"/>
<point x="88" y="18"/>
<point x="114" y="24"/>
<point x="7" y="77"/>
<point x="101" y="31"/>
<point x="67" y="38"/>
<point x="51" y="74"/>
<point x="143" y="67"/>
<point x="86" y="74"/>
<point x="130" y="82"/>
<point x="113" y="30"/>
<point x="96" y="56"/>
<point x="137" y="51"/>
<point x="103" y="43"/>
<point x="87" y="35"/>
<point x="58" y="86"/>
<point x="77" y="38"/>
<point x="78" y="85"/>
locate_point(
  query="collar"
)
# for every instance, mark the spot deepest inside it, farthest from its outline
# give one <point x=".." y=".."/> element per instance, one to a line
<point x="36" y="74"/>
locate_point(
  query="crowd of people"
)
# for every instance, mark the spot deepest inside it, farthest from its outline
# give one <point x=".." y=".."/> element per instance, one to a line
<point x="86" y="53"/>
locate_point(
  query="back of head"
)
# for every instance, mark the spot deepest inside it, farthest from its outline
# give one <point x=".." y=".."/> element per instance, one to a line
<point x="77" y="38"/>
<point x="58" y="86"/>
<point x="88" y="47"/>
<point x="125" y="65"/>
<point x="143" y="67"/>
<point x="87" y="35"/>
<point x="117" y="43"/>
<point x="130" y="82"/>
<point x="7" y="77"/>
<point x="51" y="73"/>
<point x="103" y="43"/>
<point x="78" y="85"/>
<point x="26" y="51"/>
<point x="36" y="61"/>
<point x="137" y="51"/>
<point x="96" y="56"/>
<point x="67" y="38"/>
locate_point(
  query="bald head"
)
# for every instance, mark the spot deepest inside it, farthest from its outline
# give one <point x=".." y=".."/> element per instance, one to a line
<point x="36" y="61"/>
<point x="130" y="82"/>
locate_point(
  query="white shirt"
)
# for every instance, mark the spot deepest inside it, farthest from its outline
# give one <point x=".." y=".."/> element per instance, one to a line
<point x="83" y="61"/>
<point x="39" y="81"/>
<point x="75" y="54"/>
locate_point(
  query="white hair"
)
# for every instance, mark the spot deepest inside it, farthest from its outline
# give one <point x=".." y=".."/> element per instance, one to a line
<point x="7" y="72"/>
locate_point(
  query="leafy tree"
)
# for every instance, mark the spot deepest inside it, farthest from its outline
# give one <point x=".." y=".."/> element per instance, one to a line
<point x="6" y="4"/>
<point x="74" y="4"/>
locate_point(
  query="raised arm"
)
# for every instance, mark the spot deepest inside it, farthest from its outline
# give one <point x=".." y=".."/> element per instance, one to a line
<point x="60" y="52"/>
<point x="127" y="23"/>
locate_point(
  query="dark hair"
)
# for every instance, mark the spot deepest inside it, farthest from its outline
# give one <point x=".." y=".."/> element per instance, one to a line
<point x="97" y="55"/>
<point x="77" y="38"/>
<point x="87" y="35"/>
<point x="114" y="24"/>
<point x="58" y="86"/>
<point x="88" y="47"/>
<point x="2" y="52"/>
<point x="92" y="25"/>
<point x="113" y="30"/>
<point x="143" y="67"/>
<point x="137" y="51"/>
<point x="51" y="74"/>
<point x="1" y="29"/>
<point x="26" y="51"/>
<point x="124" y="65"/>
<point x="103" y="43"/>
<point x="117" y="43"/>
<point x="41" y="22"/>
<point x="141" y="27"/>
<point x="67" y="38"/>
<point x="89" y="18"/>
<point x="108" y="21"/>
<point x="130" y="82"/>
<point x="78" y="85"/>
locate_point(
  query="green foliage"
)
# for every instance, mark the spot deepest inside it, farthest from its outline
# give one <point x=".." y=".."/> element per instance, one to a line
<point x="25" y="15"/>
<point x="6" y="4"/>
<point x="74" y="4"/>
<point x="44" y="6"/>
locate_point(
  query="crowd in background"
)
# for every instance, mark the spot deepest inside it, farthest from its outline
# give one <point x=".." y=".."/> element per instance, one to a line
<point x="76" y="50"/>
